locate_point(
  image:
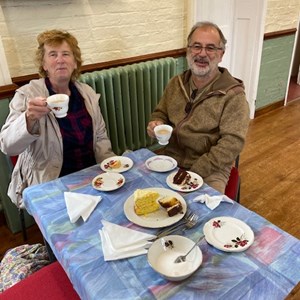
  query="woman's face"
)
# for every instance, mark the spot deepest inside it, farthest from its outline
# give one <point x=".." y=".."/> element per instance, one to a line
<point x="59" y="62"/>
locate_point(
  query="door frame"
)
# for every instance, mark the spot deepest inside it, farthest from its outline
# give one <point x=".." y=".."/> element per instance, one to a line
<point x="296" y="42"/>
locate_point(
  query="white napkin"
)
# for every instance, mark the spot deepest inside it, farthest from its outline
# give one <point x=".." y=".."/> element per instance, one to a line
<point x="121" y="242"/>
<point x="80" y="205"/>
<point x="212" y="201"/>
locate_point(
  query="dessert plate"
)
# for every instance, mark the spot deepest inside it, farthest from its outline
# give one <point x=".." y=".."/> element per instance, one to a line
<point x="161" y="163"/>
<point x="193" y="184"/>
<point x="158" y="218"/>
<point x="108" y="182"/>
<point x="125" y="163"/>
<point x="228" y="234"/>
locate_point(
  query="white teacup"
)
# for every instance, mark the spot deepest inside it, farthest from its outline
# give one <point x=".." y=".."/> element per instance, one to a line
<point x="163" y="133"/>
<point x="59" y="104"/>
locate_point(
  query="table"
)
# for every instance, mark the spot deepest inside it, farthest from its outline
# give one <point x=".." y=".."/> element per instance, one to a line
<point x="269" y="269"/>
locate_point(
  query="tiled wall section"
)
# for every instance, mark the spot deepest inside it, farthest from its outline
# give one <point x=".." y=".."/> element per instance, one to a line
<point x="274" y="71"/>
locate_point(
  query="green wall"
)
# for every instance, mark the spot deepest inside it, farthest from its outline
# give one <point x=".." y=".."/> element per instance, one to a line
<point x="274" y="70"/>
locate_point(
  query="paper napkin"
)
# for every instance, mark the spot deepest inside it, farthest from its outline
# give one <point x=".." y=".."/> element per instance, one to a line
<point x="212" y="201"/>
<point x="80" y="205"/>
<point x="121" y="242"/>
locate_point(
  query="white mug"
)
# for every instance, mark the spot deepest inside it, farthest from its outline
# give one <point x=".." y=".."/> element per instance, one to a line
<point x="59" y="104"/>
<point x="163" y="133"/>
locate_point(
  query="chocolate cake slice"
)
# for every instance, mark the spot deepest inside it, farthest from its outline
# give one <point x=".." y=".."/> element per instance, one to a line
<point x="181" y="177"/>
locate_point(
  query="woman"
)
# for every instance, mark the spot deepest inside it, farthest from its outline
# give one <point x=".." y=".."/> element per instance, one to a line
<point x="49" y="147"/>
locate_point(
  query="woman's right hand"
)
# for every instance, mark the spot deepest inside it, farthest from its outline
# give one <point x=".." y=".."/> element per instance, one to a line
<point x="36" y="109"/>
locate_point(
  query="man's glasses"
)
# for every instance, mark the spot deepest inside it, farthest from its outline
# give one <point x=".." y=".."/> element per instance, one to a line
<point x="208" y="49"/>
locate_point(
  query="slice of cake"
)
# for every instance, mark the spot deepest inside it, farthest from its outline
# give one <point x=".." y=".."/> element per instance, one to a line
<point x="145" y="201"/>
<point x="181" y="177"/>
<point x="172" y="205"/>
<point x="115" y="164"/>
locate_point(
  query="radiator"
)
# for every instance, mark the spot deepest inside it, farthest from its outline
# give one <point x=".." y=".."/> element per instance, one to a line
<point x="129" y="94"/>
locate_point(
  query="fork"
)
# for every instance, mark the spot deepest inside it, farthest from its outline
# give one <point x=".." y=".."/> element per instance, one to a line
<point x="182" y="258"/>
<point x="187" y="217"/>
<point x="191" y="222"/>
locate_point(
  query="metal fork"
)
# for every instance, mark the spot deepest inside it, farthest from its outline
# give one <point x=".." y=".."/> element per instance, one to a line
<point x="191" y="222"/>
<point x="187" y="217"/>
<point x="182" y="258"/>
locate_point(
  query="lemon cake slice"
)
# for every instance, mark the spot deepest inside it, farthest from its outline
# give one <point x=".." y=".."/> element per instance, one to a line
<point x="145" y="201"/>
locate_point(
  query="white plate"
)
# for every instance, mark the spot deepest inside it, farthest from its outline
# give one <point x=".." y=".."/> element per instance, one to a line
<point x="228" y="234"/>
<point x="108" y="182"/>
<point x="126" y="164"/>
<point x="158" y="218"/>
<point x="161" y="163"/>
<point x="194" y="184"/>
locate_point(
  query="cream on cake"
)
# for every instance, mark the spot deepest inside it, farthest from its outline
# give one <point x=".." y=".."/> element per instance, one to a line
<point x="145" y="201"/>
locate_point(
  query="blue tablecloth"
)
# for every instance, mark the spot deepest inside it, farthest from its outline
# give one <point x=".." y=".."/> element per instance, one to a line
<point x="269" y="269"/>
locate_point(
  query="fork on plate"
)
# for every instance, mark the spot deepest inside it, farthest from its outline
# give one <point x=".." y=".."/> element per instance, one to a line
<point x="190" y="220"/>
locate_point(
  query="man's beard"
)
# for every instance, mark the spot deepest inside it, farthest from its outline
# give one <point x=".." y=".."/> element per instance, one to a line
<point x="199" y="71"/>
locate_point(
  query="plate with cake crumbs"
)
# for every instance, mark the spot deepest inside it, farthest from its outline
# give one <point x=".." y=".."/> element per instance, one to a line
<point x="184" y="181"/>
<point x="116" y="164"/>
<point x="161" y="163"/>
<point x="155" y="207"/>
<point x="108" y="182"/>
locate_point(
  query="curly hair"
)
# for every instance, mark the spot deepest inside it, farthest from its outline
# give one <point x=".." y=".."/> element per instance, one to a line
<point x="54" y="38"/>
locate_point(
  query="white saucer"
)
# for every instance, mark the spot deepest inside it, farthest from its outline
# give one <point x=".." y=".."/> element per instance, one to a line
<point x="161" y="163"/>
<point x="108" y="182"/>
<point x="228" y="234"/>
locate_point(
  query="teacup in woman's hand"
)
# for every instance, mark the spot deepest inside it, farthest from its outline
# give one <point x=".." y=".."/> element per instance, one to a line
<point x="59" y="104"/>
<point x="163" y="133"/>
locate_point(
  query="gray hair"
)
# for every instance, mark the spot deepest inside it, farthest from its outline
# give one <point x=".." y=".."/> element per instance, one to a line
<point x="207" y="24"/>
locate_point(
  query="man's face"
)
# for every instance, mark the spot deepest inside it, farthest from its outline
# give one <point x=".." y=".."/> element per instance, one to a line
<point x="204" y="62"/>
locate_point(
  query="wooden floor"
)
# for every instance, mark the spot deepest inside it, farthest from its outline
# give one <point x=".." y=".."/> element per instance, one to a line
<point x="269" y="168"/>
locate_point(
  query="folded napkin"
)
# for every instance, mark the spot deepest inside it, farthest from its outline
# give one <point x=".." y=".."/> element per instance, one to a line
<point x="212" y="201"/>
<point x="80" y="205"/>
<point x="121" y="242"/>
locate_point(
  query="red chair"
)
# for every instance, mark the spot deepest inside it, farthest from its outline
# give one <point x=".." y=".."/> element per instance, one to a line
<point x="233" y="187"/>
<point x="50" y="282"/>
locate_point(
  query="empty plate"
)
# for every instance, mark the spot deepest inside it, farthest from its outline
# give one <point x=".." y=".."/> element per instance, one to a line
<point x="161" y="163"/>
<point x="228" y="234"/>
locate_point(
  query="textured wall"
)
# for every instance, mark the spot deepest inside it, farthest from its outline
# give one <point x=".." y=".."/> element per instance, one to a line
<point x="106" y="29"/>
<point x="282" y="14"/>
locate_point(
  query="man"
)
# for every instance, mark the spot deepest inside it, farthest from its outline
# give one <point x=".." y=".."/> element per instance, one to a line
<point x="207" y="109"/>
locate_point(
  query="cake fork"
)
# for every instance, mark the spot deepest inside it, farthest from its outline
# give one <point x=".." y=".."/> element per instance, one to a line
<point x="188" y="216"/>
<point x="191" y="221"/>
